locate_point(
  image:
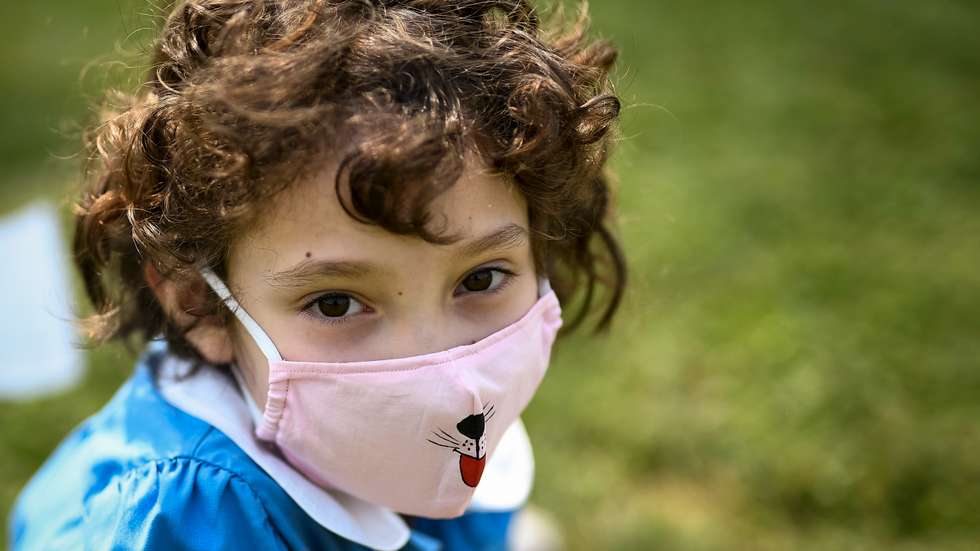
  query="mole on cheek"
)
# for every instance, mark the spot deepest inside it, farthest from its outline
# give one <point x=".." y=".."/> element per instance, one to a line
<point x="308" y="254"/>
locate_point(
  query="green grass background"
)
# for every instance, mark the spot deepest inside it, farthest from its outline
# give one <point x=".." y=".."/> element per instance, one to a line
<point x="796" y="366"/>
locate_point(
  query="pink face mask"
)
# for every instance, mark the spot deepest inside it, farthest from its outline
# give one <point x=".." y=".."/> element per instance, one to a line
<point x="412" y="434"/>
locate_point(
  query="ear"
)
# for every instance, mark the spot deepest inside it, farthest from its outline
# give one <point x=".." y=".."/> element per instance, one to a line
<point x="178" y="299"/>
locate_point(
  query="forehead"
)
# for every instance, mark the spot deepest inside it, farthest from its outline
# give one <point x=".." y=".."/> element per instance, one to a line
<point x="308" y="218"/>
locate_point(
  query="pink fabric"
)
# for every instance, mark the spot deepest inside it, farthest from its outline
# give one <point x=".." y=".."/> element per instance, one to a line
<point x="392" y="431"/>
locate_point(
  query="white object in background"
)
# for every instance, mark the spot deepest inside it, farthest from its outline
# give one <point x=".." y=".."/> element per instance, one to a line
<point x="37" y="352"/>
<point x="534" y="529"/>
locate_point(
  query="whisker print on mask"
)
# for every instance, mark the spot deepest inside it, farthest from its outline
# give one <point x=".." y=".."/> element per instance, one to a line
<point x="446" y="436"/>
<point x="443" y="445"/>
<point x="446" y="440"/>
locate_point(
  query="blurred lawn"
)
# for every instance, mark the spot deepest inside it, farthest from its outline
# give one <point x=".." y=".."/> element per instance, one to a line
<point x="797" y="366"/>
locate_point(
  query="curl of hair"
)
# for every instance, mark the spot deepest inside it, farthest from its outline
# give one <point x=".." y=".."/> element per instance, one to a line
<point x="241" y="92"/>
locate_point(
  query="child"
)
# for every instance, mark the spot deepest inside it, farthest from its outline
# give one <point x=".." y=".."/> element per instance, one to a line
<point x="342" y="229"/>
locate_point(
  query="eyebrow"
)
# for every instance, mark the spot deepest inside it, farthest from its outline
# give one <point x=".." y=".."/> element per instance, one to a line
<point x="508" y="236"/>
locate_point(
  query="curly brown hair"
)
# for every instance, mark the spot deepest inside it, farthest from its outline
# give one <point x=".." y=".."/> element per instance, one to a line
<point x="243" y="97"/>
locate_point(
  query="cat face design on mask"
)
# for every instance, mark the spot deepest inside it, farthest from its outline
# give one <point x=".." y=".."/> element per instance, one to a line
<point x="471" y="447"/>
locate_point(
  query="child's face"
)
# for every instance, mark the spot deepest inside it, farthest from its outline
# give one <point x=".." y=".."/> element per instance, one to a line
<point x="406" y="297"/>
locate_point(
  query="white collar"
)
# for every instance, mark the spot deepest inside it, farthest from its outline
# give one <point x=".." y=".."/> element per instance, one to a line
<point x="213" y="398"/>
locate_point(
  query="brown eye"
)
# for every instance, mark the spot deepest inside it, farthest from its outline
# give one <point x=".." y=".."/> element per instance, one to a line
<point x="333" y="306"/>
<point x="478" y="281"/>
<point x="487" y="281"/>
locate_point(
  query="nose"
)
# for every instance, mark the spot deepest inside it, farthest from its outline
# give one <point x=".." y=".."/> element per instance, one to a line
<point x="472" y="426"/>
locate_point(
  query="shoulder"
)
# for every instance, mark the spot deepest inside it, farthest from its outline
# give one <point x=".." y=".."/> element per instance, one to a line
<point x="117" y="498"/>
<point x="178" y="503"/>
<point x="143" y="474"/>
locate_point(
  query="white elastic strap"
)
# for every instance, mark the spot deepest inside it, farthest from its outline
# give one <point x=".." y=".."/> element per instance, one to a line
<point x="258" y="335"/>
<point x="544" y="285"/>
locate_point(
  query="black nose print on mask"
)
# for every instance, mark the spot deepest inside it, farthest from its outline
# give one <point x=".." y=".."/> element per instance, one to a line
<point x="472" y="426"/>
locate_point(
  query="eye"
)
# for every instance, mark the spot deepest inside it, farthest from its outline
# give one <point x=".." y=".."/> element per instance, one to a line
<point x="487" y="280"/>
<point x="334" y="308"/>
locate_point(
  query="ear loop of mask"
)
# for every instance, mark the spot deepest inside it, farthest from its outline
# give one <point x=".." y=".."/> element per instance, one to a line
<point x="258" y="334"/>
<point x="544" y="285"/>
<point x="260" y="337"/>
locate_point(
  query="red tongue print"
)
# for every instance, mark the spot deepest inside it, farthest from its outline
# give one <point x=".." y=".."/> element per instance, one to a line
<point x="471" y="469"/>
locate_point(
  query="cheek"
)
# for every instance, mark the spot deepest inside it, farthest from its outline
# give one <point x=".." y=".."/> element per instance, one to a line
<point x="303" y="339"/>
<point x="523" y="295"/>
<point x="484" y="320"/>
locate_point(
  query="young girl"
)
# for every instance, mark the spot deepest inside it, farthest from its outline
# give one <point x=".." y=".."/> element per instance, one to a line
<point x="342" y="229"/>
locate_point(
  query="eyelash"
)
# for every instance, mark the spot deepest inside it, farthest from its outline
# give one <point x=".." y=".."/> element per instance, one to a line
<point x="509" y="276"/>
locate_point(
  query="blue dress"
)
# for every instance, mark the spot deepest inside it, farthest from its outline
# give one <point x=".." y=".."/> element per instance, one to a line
<point x="143" y="474"/>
